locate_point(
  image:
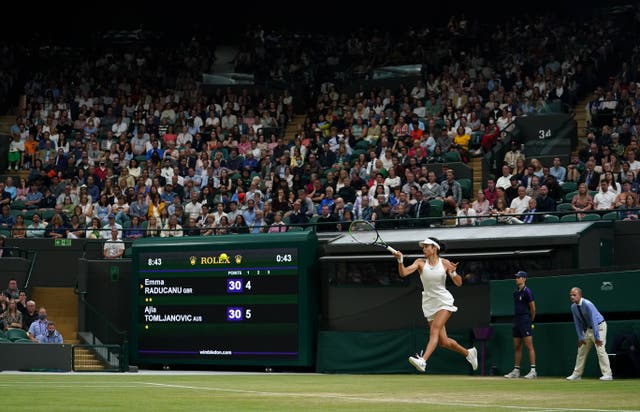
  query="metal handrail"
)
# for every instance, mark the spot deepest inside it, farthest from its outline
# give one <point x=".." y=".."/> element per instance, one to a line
<point x="31" y="266"/>
<point x="111" y="326"/>
<point x="124" y="342"/>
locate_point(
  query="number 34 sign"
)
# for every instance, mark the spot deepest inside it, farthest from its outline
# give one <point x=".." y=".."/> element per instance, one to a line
<point x="544" y="134"/>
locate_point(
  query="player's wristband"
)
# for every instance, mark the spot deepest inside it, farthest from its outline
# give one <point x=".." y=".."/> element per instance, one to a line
<point x="453" y="274"/>
<point x="401" y="260"/>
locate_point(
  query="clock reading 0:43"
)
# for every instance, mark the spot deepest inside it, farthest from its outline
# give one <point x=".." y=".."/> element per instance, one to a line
<point x="284" y="258"/>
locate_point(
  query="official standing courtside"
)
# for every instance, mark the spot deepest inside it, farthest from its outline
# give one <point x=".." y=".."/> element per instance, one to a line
<point x="524" y="314"/>
<point x="591" y="329"/>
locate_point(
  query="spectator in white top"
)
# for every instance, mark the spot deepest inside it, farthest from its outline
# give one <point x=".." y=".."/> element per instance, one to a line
<point x="114" y="247"/>
<point x="219" y="213"/>
<point x="634" y="165"/>
<point x="466" y="214"/>
<point x="193" y="208"/>
<point x="504" y="181"/>
<point x="184" y="137"/>
<point x="604" y="199"/>
<point x="520" y="203"/>
<point x="418" y="91"/>
<point x="119" y="127"/>
<point x="392" y="180"/>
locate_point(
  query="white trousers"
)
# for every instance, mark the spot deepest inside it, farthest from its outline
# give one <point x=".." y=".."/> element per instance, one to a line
<point x="583" y="351"/>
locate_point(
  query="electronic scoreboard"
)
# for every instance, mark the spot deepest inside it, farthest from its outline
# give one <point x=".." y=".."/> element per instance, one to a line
<point x="227" y="300"/>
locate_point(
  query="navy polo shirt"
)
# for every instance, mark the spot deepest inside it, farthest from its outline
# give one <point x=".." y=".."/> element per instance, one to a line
<point x="521" y="299"/>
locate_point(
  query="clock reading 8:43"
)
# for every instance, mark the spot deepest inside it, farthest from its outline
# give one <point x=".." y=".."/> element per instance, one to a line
<point x="154" y="261"/>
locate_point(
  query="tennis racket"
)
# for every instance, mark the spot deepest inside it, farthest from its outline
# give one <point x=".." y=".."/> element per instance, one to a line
<point x="365" y="232"/>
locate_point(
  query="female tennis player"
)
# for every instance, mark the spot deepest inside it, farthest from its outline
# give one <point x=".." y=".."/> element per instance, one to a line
<point x="437" y="301"/>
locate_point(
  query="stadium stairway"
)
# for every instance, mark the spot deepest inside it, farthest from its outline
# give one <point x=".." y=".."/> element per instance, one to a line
<point x="476" y="165"/>
<point x="293" y="127"/>
<point x="85" y="360"/>
<point x="582" y="122"/>
<point x="62" y="308"/>
<point x="6" y="121"/>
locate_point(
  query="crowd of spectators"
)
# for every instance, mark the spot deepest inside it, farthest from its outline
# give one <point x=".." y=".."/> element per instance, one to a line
<point x="18" y="313"/>
<point x="123" y="143"/>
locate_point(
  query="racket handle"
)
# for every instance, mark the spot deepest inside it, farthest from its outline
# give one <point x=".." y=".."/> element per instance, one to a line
<point x="392" y="250"/>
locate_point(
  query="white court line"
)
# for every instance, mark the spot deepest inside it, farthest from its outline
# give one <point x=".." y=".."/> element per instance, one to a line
<point x="378" y="400"/>
<point x="99" y="386"/>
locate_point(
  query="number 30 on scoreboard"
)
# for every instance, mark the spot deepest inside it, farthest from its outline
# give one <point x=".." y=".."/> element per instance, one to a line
<point x="238" y="314"/>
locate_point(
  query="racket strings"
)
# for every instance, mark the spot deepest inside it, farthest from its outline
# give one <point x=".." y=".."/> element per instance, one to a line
<point x="363" y="232"/>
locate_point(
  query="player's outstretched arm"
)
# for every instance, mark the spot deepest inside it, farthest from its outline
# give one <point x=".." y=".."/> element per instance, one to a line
<point x="407" y="270"/>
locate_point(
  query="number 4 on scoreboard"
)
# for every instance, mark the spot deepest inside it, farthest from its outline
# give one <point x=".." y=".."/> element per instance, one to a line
<point x="248" y="285"/>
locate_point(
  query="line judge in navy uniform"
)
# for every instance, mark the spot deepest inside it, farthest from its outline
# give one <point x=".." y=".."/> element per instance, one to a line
<point x="524" y="314"/>
<point x="591" y="329"/>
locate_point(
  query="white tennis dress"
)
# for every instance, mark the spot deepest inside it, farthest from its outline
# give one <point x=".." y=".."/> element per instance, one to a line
<point x="435" y="295"/>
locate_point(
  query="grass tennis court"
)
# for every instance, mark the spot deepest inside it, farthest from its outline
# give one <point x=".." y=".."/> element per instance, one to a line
<point x="312" y="392"/>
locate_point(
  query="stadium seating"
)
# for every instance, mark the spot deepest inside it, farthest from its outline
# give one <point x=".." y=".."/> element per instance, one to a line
<point x="466" y="186"/>
<point x="551" y="219"/>
<point x="590" y="216"/>
<point x="452" y="156"/>
<point x="569" y="218"/>
<point x="569" y="196"/>
<point x="564" y="207"/>
<point x="611" y="216"/>
<point x="488" y="222"/>
<point x="15" y="334"/>
<point x="568" y="187"/>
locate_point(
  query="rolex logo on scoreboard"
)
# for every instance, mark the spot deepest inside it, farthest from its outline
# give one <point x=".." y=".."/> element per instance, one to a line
<point x="221" y="259"/>
<point x="238" y="259"/>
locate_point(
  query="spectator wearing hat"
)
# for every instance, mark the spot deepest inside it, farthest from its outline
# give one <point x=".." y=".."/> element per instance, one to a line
<point x="106" y="229"/>
<point x="525" y="313"/>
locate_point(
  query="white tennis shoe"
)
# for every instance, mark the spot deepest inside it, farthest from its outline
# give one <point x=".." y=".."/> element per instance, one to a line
<point x="418" y="362"/>
<point x="574" y="377"/>
<point x="472" y="358"/>
<point x="514" y="374"/>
